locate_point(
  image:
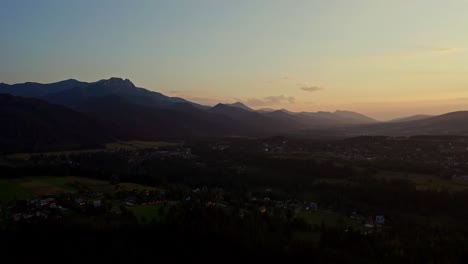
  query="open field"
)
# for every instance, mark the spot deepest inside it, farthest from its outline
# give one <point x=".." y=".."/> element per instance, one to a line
<point x="10" y="190"/>
<point x="147" y="213"/>
<point x="422" y="182"/>
<point x="332" y="219"/>
<point x="114" y="146"/>
<point x="425" y="181"/>
<point x="29" y="187"/>
<point x="128" y="186"/>
<point x="134" y="145"/>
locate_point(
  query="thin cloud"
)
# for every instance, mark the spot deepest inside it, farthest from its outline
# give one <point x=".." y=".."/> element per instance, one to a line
<point x="311" y="88"/>
<point x="412" y="52"/>
<point x="445" y="50"/>
<point x="284" y="78"/>
<point x="271" y="100"/>
<point x="280" y="99"/>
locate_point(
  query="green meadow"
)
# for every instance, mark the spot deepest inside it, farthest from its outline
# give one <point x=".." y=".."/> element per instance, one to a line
<point x="29" y="187"/>
<point x="114" y="146"/>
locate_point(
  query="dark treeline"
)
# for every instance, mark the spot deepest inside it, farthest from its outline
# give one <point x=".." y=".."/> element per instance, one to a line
<point x="211" y="235"/>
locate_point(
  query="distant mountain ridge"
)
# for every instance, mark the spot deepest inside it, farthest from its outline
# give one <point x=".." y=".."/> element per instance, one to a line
<point x="72" y="92"/>
<point x="116" y="108"/>
<point x="341" y="117"/>
<point x="78" y="95"/>
<point x="453" y="123"/>
<point x="410" y="118"/>
<point x="113" y="86"/>
<point x="38" y="90"/>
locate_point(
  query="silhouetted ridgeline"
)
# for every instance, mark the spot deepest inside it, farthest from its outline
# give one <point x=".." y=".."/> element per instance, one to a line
<point x="117" y="109"/>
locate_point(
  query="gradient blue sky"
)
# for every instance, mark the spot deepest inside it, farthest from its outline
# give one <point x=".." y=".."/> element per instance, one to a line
<point x="385" y="58"/>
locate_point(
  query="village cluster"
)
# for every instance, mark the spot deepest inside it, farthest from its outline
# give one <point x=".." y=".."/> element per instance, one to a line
<point x="118" y="202"/>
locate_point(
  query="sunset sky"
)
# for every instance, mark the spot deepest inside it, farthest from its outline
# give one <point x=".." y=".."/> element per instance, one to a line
<point x="384" y="58"/>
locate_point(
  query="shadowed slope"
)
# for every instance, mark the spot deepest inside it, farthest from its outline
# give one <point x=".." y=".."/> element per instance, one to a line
<point x="35" y="125"/>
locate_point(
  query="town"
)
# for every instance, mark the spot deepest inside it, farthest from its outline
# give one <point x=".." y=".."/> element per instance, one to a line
<point x="307" y="194"/>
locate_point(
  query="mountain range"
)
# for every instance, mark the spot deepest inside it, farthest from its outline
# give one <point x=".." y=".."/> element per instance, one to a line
<point x="42" y="116"/>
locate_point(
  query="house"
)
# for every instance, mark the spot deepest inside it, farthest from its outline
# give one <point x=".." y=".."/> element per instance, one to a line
<point x="313" y="206"/>
<point x="79" y="201"/>
<point x="380" y="219"/>
<point x="355" y="215"/>
<point x="370" y="222"/>
<point x="47" y="201"/>
<point x="97" y="203"/>
<point x="130" y="202"/>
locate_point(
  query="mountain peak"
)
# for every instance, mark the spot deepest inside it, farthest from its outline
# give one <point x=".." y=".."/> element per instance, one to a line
<point x="115" y="81"/>
<point x="266" y="110"/>
<point x="230" y="108"/>
<point x="222" y="105"/>
<point x="70" y="80"/>
<point x="240" y="105"/>
<point x="286" y="111"/>
<point x="355" y="115"/>
<point x="346" y="112"/>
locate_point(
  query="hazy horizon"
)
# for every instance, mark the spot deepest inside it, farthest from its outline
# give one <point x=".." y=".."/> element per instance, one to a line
<point x="380" y="58"/>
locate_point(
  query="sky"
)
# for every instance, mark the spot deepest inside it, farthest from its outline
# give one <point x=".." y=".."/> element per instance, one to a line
<point x="383" y="58"/>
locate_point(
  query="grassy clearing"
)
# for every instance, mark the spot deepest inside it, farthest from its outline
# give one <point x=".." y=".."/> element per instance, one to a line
<point x="328" y="219"/>
<point x="127" y="186"/>
<point x="29" y="187"/>
<point x="425" y="181"/>
<point x="335" y="181"/>
<point x="134" y="145"/>
<point x="147" y="213"/>
<point x="10" y="190"/>
<point x="26" y="156"/>
<point x="53" y="185"/>
<point x="308" y="237"/>
<point x="422" y="182"/>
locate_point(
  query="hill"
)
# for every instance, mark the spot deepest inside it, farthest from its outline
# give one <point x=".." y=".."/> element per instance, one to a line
<point x="114" y="86"/>
<point x="454" y="123"/>
<point x="240" y="105"/>
<point x="181" y="120"/>
<point x="34" y="125"/>
<point x="410" y="118"/>
<point x="38" y="90"/>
